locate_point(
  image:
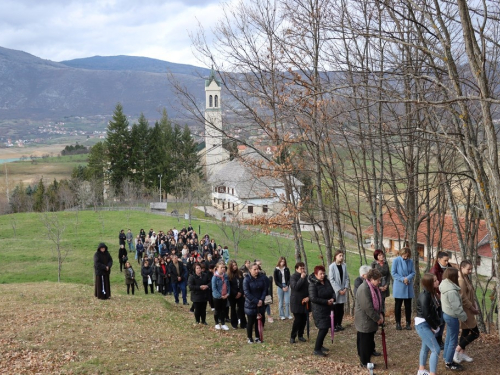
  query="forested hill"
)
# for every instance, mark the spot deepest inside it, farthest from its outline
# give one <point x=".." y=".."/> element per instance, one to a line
<point x="34" y="88"/>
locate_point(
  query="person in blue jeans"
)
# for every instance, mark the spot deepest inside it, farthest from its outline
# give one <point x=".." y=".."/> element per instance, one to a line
<point x="427" y="323"/>
<point x="178" y="276"/>
<point x="453" y="311"/>
<point x="282" y="281"/>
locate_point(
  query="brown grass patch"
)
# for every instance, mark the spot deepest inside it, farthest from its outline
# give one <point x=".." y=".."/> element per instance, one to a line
<point x="52" y="328"/>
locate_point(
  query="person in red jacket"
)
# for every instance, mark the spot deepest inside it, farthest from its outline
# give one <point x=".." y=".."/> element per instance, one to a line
<point x="440" y="265"/>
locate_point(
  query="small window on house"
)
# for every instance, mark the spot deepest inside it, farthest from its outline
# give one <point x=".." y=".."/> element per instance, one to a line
<point x="223" y="205"/>
<point x="250" y="209"/>
<point x="478" y="261"/>
<point x="233" y="206"/>
<point x="264" y="209"/>
<point x="215" y="200"/>
<point x="210" y="101"/>
<point x="232" y="191"/>
<point x="216" y="102"/>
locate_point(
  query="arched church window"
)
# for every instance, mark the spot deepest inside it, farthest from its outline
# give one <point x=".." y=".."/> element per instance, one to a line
<point x="210" y="101"/>
<point x="216" y="101"/>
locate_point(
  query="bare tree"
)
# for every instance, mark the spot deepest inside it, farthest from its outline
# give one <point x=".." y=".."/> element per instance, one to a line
<point x="54" y="229"/>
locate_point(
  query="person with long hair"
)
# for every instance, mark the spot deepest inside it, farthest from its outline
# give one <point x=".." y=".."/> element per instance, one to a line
<point x="299" y="301"/>
<point x="453" y="311"/>
<point x="470" y="332"/>
<point x="146" y="273"/>
<point x="339" y="278"/>
<point x="380" y="263"/>
<point x="427" y="323"/>
<point x="403" y="273"/>
<point x="255" y="290"/>
<point x="129" y="277"/>
<point x="368" y="315"/>
<point x="220" y="292"/>
<point x="440" y="265"/>
<point x="102" y="268"/>
<point x="236" y="297"/>
<point x="198" y="284"/>
<point x="162" y="277"/>
<point x="322" y="297"/>
<point x="282" y="281"/>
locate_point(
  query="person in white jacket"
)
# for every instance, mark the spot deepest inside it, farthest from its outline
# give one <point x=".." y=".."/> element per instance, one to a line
<point x="451" y="303"/>
<point x="339" y="278"/>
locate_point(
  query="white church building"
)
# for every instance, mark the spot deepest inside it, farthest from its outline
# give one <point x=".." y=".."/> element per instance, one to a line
<point x="239" y="188"/>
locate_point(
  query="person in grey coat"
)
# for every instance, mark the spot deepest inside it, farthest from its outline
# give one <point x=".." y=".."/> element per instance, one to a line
<point x="453" y="311"/>
<point x="368" y="315"/>
<point x="339" y="278"/>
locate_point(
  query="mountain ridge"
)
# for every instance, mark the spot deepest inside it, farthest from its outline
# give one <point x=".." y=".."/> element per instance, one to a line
<point x="35" y="88"/>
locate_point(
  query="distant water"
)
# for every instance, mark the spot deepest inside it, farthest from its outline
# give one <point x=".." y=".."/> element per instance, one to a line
<point x="2" y="161"/>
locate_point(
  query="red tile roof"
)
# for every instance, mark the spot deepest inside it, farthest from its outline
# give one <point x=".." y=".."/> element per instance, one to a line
<point x="394" y="229"/>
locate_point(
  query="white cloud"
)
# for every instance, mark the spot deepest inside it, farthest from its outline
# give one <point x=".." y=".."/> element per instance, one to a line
<point x="64" y="29"/>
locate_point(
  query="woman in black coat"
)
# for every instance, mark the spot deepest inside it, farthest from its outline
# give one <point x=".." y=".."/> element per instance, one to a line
<point x="322" y="296"/>
<point x="198" y="284"/>
<point x="162" y="278"/>
<point x="299" y="299"/>
<point x="255" y="286"/>
<point x="236" y="297"/>
<point x="147" y="273"/>
<point x="122" y="256"/>
<point x="102" y="268"/>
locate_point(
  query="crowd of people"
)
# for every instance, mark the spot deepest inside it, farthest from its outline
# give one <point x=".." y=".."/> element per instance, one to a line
<point x="174" y="261"/>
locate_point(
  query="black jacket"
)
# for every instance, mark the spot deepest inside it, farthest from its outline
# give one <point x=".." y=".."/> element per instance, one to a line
<point x="319" y="294"/>
<point x="429" y="310"/>
<point x="299" y="290"/>
<point x="278" y="277"/>
<point x="145" y="272"/>
<point x="161" y="277"/>
<point x="121" y="253"/>
<point x="122" y="237"/>
<point x="173" y="272"/>
<point x="194" y="283"/>
<point x="235" y="286"/>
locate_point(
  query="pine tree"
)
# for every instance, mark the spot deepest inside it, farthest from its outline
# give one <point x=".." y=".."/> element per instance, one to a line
<point x="156" y="151"/>
<point x="97" y="162"/>
<point x="39" y="197"/>
<point x="118" y="147"/>
<point x="188" y="153"/>
<point x="139" y="137"/>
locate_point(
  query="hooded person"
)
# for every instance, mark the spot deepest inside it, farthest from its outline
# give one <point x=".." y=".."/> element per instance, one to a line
<point x="102" y="268"/>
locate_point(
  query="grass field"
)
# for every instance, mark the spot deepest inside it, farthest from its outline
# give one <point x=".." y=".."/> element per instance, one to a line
<point x="60" y="328"/>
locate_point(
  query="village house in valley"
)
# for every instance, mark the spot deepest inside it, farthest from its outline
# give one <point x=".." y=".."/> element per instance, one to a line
<point x="440" y="236"/>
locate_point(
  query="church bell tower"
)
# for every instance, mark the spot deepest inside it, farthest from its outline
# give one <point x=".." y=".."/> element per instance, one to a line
<point x="215" y="154"/>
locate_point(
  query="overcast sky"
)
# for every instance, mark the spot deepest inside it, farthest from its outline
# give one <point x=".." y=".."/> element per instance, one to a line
<point x="66" y="29"/>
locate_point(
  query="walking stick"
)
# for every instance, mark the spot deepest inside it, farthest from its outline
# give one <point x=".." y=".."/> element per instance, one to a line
<point x="307" y="322"/>
<point x="332" y="328"/>
<point x="260" y="327"/>
<point x="103" y="290"/>
<point x="384" y="346"/>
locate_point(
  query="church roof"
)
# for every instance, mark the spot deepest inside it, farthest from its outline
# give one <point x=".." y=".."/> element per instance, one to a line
<point x="241" y="176"/>
<point x="212" y="77"/>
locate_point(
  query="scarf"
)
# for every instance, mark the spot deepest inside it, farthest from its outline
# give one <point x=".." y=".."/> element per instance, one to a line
<point x="224" y="286"/>
<point x="376" y="296"/>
